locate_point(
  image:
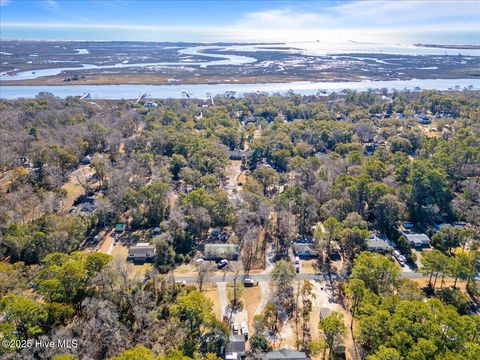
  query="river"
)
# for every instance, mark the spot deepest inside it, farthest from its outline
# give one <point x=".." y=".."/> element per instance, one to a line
<point x="199" y="91"/>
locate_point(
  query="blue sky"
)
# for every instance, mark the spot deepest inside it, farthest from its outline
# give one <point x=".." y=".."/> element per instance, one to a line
<point x="239" y="21"/>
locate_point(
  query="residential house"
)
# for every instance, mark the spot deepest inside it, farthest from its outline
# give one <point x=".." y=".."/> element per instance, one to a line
<point x="417" y="240"/>
<point x="423" y="119"/>
<point x="142" y="252"/>
<point x="378" y="243"/>
<point x="87" y="206"/>
<point x="221" y="251"/>
<point x="235" y="347"/>
<point x="303" y="250"/>
<point x="239" y="154"/>
<point x="282" y="354"/>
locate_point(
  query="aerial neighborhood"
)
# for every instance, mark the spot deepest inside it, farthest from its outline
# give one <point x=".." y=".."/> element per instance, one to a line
<point x="239" y="180"/>
<point x="273" y="236"/>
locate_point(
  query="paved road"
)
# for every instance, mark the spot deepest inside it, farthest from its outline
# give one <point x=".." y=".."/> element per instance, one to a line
<point x="266" y="277"/>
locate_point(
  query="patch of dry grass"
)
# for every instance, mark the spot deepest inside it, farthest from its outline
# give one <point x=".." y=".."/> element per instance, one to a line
<point x="212" y="294"/>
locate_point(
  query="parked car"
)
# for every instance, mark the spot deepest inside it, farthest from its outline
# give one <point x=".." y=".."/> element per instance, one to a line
<point x="244" y="329"/>
<point x="222" y="263"/>
<point x="461" y="224"/>
<point x="199" y="261"/>
<point x="180" y="282"/>
<point x="249" y="282"/>
<point x="402" y="260"/>
<point x="297" y="264"/>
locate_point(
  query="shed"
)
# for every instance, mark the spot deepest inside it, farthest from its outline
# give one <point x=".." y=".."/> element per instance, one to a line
<point x="221" y="251"/>
<point x="142" y="252"/>
<point x="120" y="227"/>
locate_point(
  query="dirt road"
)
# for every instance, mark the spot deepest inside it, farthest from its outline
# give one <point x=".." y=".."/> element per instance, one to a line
<point x="222" y="297"/>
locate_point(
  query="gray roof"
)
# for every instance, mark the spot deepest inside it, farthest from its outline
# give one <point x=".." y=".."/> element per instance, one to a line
<point x="417" y="239"/>
<point x="139" y="252"/>
<point x="299" y="248"/>
<point x="285" y="354"/>
<point x="238" y="154"/>
<point x="221" y="250"/>
<point x="377" y="243"/>
<point x="236" y="344"/>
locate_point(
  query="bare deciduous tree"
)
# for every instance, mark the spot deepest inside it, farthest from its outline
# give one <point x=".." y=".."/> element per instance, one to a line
<point x="204" y="271"/>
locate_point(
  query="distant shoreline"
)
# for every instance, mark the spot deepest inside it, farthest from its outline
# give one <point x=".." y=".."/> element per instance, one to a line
<point x="470" y="47"/>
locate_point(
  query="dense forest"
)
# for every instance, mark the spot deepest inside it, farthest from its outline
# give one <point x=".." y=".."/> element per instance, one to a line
<point x="332" y="168"/>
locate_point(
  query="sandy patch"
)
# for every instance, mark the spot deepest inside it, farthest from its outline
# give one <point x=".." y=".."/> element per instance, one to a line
<point x="185" y="270"/>
<point x="222" y="297"/>
<point x="212" y="294"/>
<point x="251" y="298"/>
<point x="308" y="266"/>
<point x="447" y="282"/>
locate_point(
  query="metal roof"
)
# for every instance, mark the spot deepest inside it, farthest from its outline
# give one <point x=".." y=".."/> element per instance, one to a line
<point x="376" y="242"/>
<point x="414" y="238"/>
<point x="285" y="354"/>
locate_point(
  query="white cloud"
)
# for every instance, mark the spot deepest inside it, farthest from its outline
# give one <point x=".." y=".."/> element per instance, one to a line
<point x="51" y="4"/>
<point x="398" y="12"/>
<point x="360" y="20"/>
<point x="4" y="2"/>
<point x="376" y="21"/>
